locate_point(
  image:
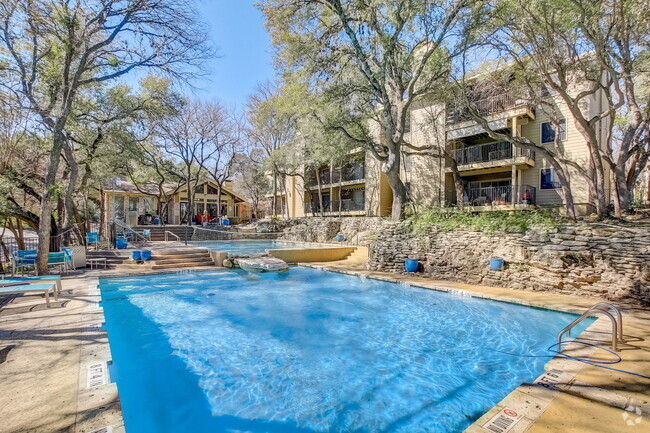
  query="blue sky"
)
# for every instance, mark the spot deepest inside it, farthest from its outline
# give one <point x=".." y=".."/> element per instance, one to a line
<point x="237" y="30"/>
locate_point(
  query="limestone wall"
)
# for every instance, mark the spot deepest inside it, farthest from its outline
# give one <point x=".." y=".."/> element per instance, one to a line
<point x="599" y="260"/>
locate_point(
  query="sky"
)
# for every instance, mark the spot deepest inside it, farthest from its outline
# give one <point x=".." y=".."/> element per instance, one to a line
<point x="243" y="46"/>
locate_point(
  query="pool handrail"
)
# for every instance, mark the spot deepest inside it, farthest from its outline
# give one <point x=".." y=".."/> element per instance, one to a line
<point x="617" y="328"/>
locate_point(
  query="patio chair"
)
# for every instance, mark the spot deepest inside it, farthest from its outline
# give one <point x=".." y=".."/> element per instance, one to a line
<point x="147" y="234"/>
<point x="69" y="252"/>
<point x="56" y="279"/>
<point x="47" y="288"/>
<point x="58" y="259"/>
<point x="22" y="259"/>
<point x="92" y="238"/>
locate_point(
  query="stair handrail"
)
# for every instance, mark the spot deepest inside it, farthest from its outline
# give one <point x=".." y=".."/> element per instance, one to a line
<point x="616" y="334"/>
<point x="167" y="232"/>
<point x="127" y="227"/>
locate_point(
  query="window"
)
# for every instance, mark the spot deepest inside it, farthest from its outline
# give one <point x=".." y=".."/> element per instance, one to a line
<point x="133" y="204"/>
<point x="147" y="203"/>
<point x="548" y="132"/>
<point x="212" y="190"/>
<point x="549" y="179"/>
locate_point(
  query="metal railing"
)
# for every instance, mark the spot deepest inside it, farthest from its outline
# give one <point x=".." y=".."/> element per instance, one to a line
<point x="502" y="150"/>
<point x="335" y="206"/>
<point x="485" y="106"/>
<point x="167" y="233"/>
<point x="346" y="174"/>
<point x="602" y="308"/>
<point x="494" y="196"/>
<point x="138" y="237"/>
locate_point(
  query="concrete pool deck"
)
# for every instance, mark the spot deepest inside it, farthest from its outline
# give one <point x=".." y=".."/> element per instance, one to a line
<point x="47" y="358"/>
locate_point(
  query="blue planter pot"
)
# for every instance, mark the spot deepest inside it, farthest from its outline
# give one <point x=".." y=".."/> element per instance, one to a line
<point x="496" y="264"/>
<point x="145" y="255"/>
<point x="339" y="238"/>
<point x="225" y="222"/>
<point x="121" y="243"/>
<point x="135" y="255"/>
<point x="411" y="265"/>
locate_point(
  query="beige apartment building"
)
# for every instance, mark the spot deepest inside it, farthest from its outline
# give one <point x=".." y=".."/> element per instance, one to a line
<point x="496" y="175"/>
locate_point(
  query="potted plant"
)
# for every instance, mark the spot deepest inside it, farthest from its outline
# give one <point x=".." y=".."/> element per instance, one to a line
<point x="411" y="265"/>
<point x="496" y="264"/>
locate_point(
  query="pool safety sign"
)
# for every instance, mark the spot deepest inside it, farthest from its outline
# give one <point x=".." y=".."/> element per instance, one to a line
<point x="97" y="375"/>
<point x="503" y="421"/>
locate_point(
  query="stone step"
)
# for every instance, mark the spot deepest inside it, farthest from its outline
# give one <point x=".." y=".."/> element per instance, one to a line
<point x="149" y="266"/>
<point x="172" y="261"/>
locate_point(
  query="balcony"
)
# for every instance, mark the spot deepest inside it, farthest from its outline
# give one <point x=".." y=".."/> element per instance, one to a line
<point x="335" y="206"/>
<point x="492" y="155"/>
<point x="495" y="197"/>
<point x="497" y="110"/>
<point x="346" y="175"/>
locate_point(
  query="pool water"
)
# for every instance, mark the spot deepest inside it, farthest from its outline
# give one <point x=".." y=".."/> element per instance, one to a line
<point x="313" y="351"/>
<point x="250" y="247"/>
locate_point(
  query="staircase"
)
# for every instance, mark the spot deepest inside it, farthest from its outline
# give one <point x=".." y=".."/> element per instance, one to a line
<point x="158" y="232"/>
<point x="113" y="257"/>
<point x="168" y="259"/>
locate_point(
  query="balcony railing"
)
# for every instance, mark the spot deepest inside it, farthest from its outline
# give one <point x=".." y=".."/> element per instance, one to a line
<point x="334" y="206"/>
<point x="502" y="150"/>
<point x="347" y="174"/>
<point x="494" y="196"/>
<point x="485" y="107"/>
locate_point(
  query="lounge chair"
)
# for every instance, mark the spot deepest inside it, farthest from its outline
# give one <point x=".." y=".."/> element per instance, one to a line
<point x="47" y="288"/>
<point x="56" y="279"/>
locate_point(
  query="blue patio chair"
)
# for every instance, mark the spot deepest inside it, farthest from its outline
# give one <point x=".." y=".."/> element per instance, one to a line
<point x="69" y="253"/>
<point x="58" y="259"/>
<point x="23" y="259"/>
<point x="92" y="238"/>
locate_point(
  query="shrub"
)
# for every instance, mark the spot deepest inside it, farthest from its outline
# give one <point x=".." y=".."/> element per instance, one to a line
<point x="495" y="221"/>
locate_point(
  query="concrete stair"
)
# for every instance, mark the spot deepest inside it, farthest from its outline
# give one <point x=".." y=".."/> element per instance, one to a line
<point x="170" y="259"/>
<point x="113" y="257"/>
<point x="158" y="232"/>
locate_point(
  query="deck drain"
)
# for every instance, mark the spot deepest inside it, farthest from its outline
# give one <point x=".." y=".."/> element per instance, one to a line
<point x="97" y="375"/>
<point x="503" y="422"/>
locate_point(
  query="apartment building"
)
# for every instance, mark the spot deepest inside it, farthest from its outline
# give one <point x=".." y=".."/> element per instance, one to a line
<point x="495" y="175"/>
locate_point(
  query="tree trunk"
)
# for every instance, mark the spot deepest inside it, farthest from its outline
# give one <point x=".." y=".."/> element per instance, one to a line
<point x="68" y="213"/>
<point x="45" y="225"/>
<point x="399" y="193"/>
<point x="320" y="193"/>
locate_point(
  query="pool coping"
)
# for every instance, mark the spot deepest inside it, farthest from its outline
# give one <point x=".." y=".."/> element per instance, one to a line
<point x="527" y="402"/>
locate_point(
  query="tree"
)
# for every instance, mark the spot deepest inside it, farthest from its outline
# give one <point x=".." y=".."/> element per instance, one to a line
<point x="188" y="136"/>
<point x="586" y="51"/>
<point x="52" y="50"/>
<point x="272" y="119"/>
<point x="375" y="59"/>
<point x="251" y="181"/>
<point x="226" y="144"/>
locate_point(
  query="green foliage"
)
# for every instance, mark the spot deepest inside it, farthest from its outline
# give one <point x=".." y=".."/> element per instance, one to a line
<point x="496" y="221"/>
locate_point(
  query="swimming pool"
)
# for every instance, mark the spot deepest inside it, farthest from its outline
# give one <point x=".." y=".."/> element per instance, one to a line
<point x="251" y="247"/>
<point x="313" y="351"/>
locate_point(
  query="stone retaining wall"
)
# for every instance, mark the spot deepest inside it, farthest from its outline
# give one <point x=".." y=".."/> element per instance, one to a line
<point x="599" y="260"/>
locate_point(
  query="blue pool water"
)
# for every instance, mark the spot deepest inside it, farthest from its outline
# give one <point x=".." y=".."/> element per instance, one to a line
<point x="312" y="351"/>
<point x="250" y="247"/>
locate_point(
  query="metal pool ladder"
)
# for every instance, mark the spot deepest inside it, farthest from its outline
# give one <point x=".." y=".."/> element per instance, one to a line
<point x="602" y="308"/>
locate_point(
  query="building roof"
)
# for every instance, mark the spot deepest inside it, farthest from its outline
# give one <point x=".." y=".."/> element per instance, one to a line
<point x="151" y="188"/>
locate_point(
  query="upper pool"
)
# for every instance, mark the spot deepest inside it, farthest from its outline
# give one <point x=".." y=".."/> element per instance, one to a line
<point x="312" y="351"/>
<point x="251" y="247"/>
